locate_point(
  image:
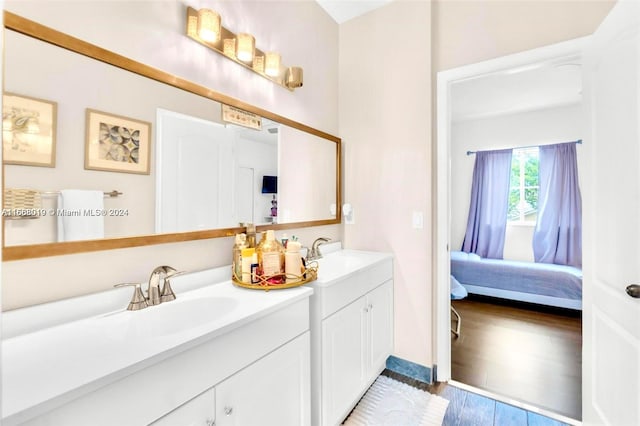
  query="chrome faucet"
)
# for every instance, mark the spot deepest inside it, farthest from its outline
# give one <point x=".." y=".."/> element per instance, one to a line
<point x="155" y="296"/>
<point x="161" y="275"/>
<point x="314" y="252"/>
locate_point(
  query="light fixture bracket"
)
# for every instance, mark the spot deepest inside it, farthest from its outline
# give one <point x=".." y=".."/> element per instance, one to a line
<point x="219" y="47"/>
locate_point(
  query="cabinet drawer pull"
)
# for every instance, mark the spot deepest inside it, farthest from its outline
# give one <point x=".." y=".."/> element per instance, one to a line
<point x="210" y="422"/>
<point x="228" y="410"/>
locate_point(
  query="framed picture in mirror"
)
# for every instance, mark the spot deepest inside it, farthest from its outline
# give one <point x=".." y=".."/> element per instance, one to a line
<point x="28" y="131"/>
<point x="117" y="144"/>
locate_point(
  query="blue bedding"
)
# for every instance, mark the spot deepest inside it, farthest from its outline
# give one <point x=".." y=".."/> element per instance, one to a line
<point x="524" y="277"/>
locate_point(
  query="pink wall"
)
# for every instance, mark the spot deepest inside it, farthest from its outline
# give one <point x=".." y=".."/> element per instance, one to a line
<point x="385" y="125"/>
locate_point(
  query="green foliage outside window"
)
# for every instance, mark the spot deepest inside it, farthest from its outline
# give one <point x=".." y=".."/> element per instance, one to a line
<point x="523" y="191"/>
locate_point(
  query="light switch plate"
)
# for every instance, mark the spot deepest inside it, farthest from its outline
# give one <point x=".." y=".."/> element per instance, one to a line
<point x="418" y="220"/>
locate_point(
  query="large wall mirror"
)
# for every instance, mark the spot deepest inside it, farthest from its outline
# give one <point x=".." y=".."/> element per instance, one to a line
<point x="79" y="117"/>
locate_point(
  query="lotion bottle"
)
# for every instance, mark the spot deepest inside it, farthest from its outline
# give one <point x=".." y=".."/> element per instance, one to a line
<point x="247" y="256"/>
<point x="293" y="262"/>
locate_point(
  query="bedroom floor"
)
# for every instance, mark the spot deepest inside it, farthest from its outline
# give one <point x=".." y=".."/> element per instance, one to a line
<point x="520" y="351"/>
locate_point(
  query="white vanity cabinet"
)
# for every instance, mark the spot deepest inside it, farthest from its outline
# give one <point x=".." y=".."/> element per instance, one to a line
<point x="200" y="411"/>
<point x="352" y="330"/>
<point x="248" y="365"/>
<point x="272" y="391"/>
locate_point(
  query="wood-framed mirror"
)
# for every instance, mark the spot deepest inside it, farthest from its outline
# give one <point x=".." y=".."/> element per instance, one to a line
<point x="174" y="201"/>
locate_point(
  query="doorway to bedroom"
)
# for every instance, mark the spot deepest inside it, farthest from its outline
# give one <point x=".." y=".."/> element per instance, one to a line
<point x="520" y="334"/>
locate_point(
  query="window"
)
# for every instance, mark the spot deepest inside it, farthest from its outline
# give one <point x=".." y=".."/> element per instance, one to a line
<point x="523" y="190"/>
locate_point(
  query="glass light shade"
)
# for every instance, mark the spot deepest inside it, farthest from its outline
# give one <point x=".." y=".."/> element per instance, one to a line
<point x="272" y="64"/>
<point x="209" y="25"/>
<point x="245" y="46"/>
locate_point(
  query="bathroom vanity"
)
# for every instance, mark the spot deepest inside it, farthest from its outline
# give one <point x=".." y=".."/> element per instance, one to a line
<point x="218" y="354"/>
<point x="351" y="329"/>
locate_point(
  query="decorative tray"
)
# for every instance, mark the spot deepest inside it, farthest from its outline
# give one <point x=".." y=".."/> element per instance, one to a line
<point x="265" y="283"/>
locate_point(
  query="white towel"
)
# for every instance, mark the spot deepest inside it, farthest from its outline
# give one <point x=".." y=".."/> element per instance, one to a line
<point x="80" y="215"/>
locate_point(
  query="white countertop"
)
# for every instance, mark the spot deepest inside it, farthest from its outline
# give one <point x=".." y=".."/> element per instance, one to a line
<point x="48" y="367"/>
<point x="336" y="265"/>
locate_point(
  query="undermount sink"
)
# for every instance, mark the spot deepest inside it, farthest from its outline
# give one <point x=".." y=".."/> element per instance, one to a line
<point x="343" y="262"/>
<point x="178" y="315"/>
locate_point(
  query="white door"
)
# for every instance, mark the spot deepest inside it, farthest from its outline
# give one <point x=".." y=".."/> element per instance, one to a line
<point x="244" y="194"/>
<point x="611" y="214"/>
<point x="194" y="159"/>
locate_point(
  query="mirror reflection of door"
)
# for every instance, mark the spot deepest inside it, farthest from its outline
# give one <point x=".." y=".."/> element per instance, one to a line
<point x="208" y="173"/>
<point x="245" y="194"/>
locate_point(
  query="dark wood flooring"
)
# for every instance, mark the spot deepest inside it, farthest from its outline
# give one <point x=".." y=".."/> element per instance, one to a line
<point x="525" y="352"/>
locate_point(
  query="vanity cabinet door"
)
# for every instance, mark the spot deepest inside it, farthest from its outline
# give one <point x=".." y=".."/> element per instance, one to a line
<point x="380" y="306"/>
<point x="273" y="391"/>
<point x="343" y="360"/>
<point x="200" y="411"/>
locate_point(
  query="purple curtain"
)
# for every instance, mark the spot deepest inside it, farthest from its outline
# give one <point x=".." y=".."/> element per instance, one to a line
<point x="487" y="221"/>
<point x="558" y="234"/>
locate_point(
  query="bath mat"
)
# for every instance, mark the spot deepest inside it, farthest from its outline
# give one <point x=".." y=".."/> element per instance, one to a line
<point x="389" y="402"/>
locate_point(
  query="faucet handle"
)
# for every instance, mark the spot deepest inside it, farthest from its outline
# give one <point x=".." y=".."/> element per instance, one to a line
<point x="167" y="294"/>
<point x="138" y="300"/>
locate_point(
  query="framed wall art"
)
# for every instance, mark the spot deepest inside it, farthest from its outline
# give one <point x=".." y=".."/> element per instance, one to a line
<point x="116" y="143"/>
<point x="28" y="130"/>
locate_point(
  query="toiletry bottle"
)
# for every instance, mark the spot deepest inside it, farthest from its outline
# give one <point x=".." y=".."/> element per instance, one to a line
<point x="271" y="258"/>
<point x="240" y="244"/>
<point x="251" y="234"/>
<point x="247" y="256"/>
<point x="255" y="279"/>
<point x="293" y="262"/>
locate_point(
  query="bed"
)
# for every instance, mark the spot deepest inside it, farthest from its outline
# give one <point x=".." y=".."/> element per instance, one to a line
<point x="542" y="283"/>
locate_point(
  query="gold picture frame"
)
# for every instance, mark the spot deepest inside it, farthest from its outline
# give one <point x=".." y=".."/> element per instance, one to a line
<point x="115" y="143"/>
<point x="28" y="130"/>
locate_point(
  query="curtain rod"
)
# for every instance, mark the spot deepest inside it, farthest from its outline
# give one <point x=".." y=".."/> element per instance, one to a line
<point x="579" y="141"/>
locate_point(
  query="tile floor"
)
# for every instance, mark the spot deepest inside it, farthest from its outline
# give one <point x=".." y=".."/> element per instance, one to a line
<point x="467" y="408"/>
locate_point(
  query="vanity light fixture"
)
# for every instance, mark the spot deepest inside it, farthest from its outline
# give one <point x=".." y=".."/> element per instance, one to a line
<point x="229" y="47"/>
<point x="245" y="47"/>
<point x="258" y="63"/>
<point x="209" y="25"/>
<point x="204" y="26"/>
<point x="293" y="77"/>
<point x="272" y="64"/>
